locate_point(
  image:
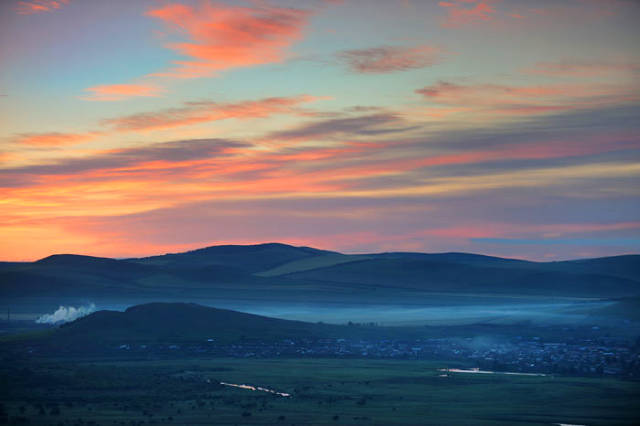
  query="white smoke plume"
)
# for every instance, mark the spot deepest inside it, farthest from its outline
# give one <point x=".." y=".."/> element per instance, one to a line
<point x="66" y="314"/>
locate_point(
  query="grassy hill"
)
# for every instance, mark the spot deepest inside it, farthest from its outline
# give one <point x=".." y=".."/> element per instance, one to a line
<point x="189" y="322"/>
<point x="627" y="266"/>
<point x="433" y="274"/>
<point x="182" y="322"/>
<point x="283" y="272"/>
<point x="162" y="323"/>
<point x="311" y="262"/>
<point x="250" y="258"/>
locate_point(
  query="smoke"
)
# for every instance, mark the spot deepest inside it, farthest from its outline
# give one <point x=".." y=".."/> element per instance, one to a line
<point x="66" y="314"/>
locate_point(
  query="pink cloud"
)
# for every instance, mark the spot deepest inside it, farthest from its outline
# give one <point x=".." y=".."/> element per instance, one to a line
<point x="220" y="37"/>
<point x="39" y="6"/>
<point x="128" y="181"/>
<point x="216" y="37"/>
<point x="54" y="138"/>
<point x="200" y="112"/>
<point x="118" y="92"/>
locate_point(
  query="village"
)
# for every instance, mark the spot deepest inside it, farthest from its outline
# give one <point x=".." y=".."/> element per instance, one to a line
<point x="588" y="357"/>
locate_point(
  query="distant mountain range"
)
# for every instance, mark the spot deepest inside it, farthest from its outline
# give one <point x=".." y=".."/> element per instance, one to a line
<point x="281" y="272"/>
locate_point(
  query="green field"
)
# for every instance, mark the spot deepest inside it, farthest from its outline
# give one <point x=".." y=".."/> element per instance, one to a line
<point x="324" y="391"/>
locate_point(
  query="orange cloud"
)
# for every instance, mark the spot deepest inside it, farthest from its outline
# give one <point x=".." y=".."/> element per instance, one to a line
<point x="219" y="37"/>
<point x="39" y="6"/>
<point x="222" y="37"/>
<point x="118" y="92"/>
<point x="166" y="175"/>
<point x="54" y="138"/>
<point x="200" y="112"/>
<point x="7" y="156"/>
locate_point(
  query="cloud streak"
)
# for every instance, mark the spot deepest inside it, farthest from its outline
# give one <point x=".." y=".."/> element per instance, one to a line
<point x="54" y="138"/>
<point x="119" y="159"/>
<point x="500" y="99"/>
<point x="119" y="92"/>
<point x="583" y="69"/>
<point x="351" y="126"/>
<point x="206" y="111"/>
<point x="39" y="6"/>
<point x="386" y="59"/>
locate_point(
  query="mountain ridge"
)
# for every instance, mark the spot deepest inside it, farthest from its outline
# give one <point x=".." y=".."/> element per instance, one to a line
<point x="277" y="271"/>
<point x="316" y="250"/>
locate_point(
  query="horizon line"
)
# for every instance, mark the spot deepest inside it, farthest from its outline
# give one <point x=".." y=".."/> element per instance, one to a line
<point x="346" y="253"/>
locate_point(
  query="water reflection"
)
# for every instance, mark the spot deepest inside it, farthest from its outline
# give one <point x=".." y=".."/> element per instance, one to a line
<point x="478" y="371"/>
<point x="255" y="388"/>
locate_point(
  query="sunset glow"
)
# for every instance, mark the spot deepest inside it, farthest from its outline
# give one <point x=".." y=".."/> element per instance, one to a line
<point x="506" y="127"/>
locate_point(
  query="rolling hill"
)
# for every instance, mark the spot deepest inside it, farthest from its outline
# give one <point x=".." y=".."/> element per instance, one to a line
<point x="250" y="258"/>
<point x="438" y="275"/>
<point x="161" y="322"/>
<point x="280" y="272"/>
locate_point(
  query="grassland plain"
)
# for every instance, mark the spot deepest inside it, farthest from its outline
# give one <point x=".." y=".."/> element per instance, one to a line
<point x="323" y="392"/>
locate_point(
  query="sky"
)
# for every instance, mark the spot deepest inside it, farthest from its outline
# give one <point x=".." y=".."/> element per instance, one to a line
<point x="506" y="128"/>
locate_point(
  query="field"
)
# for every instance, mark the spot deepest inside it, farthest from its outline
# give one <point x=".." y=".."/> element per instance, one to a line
<point x="323" y="391"/>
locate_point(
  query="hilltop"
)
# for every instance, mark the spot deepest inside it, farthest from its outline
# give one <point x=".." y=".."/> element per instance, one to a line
<point x="174" y="322"/>
<point x="280" y="272"/>
<point x="163" y="323"/>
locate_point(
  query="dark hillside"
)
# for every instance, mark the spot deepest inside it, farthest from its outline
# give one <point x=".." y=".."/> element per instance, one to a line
<point x="162" y="322"/>
<point x="251" y="258"/>
<point x="627" y="266"/>
<point x="427" y="274"/>
<point x="283" y="272"/>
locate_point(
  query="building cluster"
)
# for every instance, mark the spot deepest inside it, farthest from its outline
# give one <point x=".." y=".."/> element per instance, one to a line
<point x="602" y="356"/>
